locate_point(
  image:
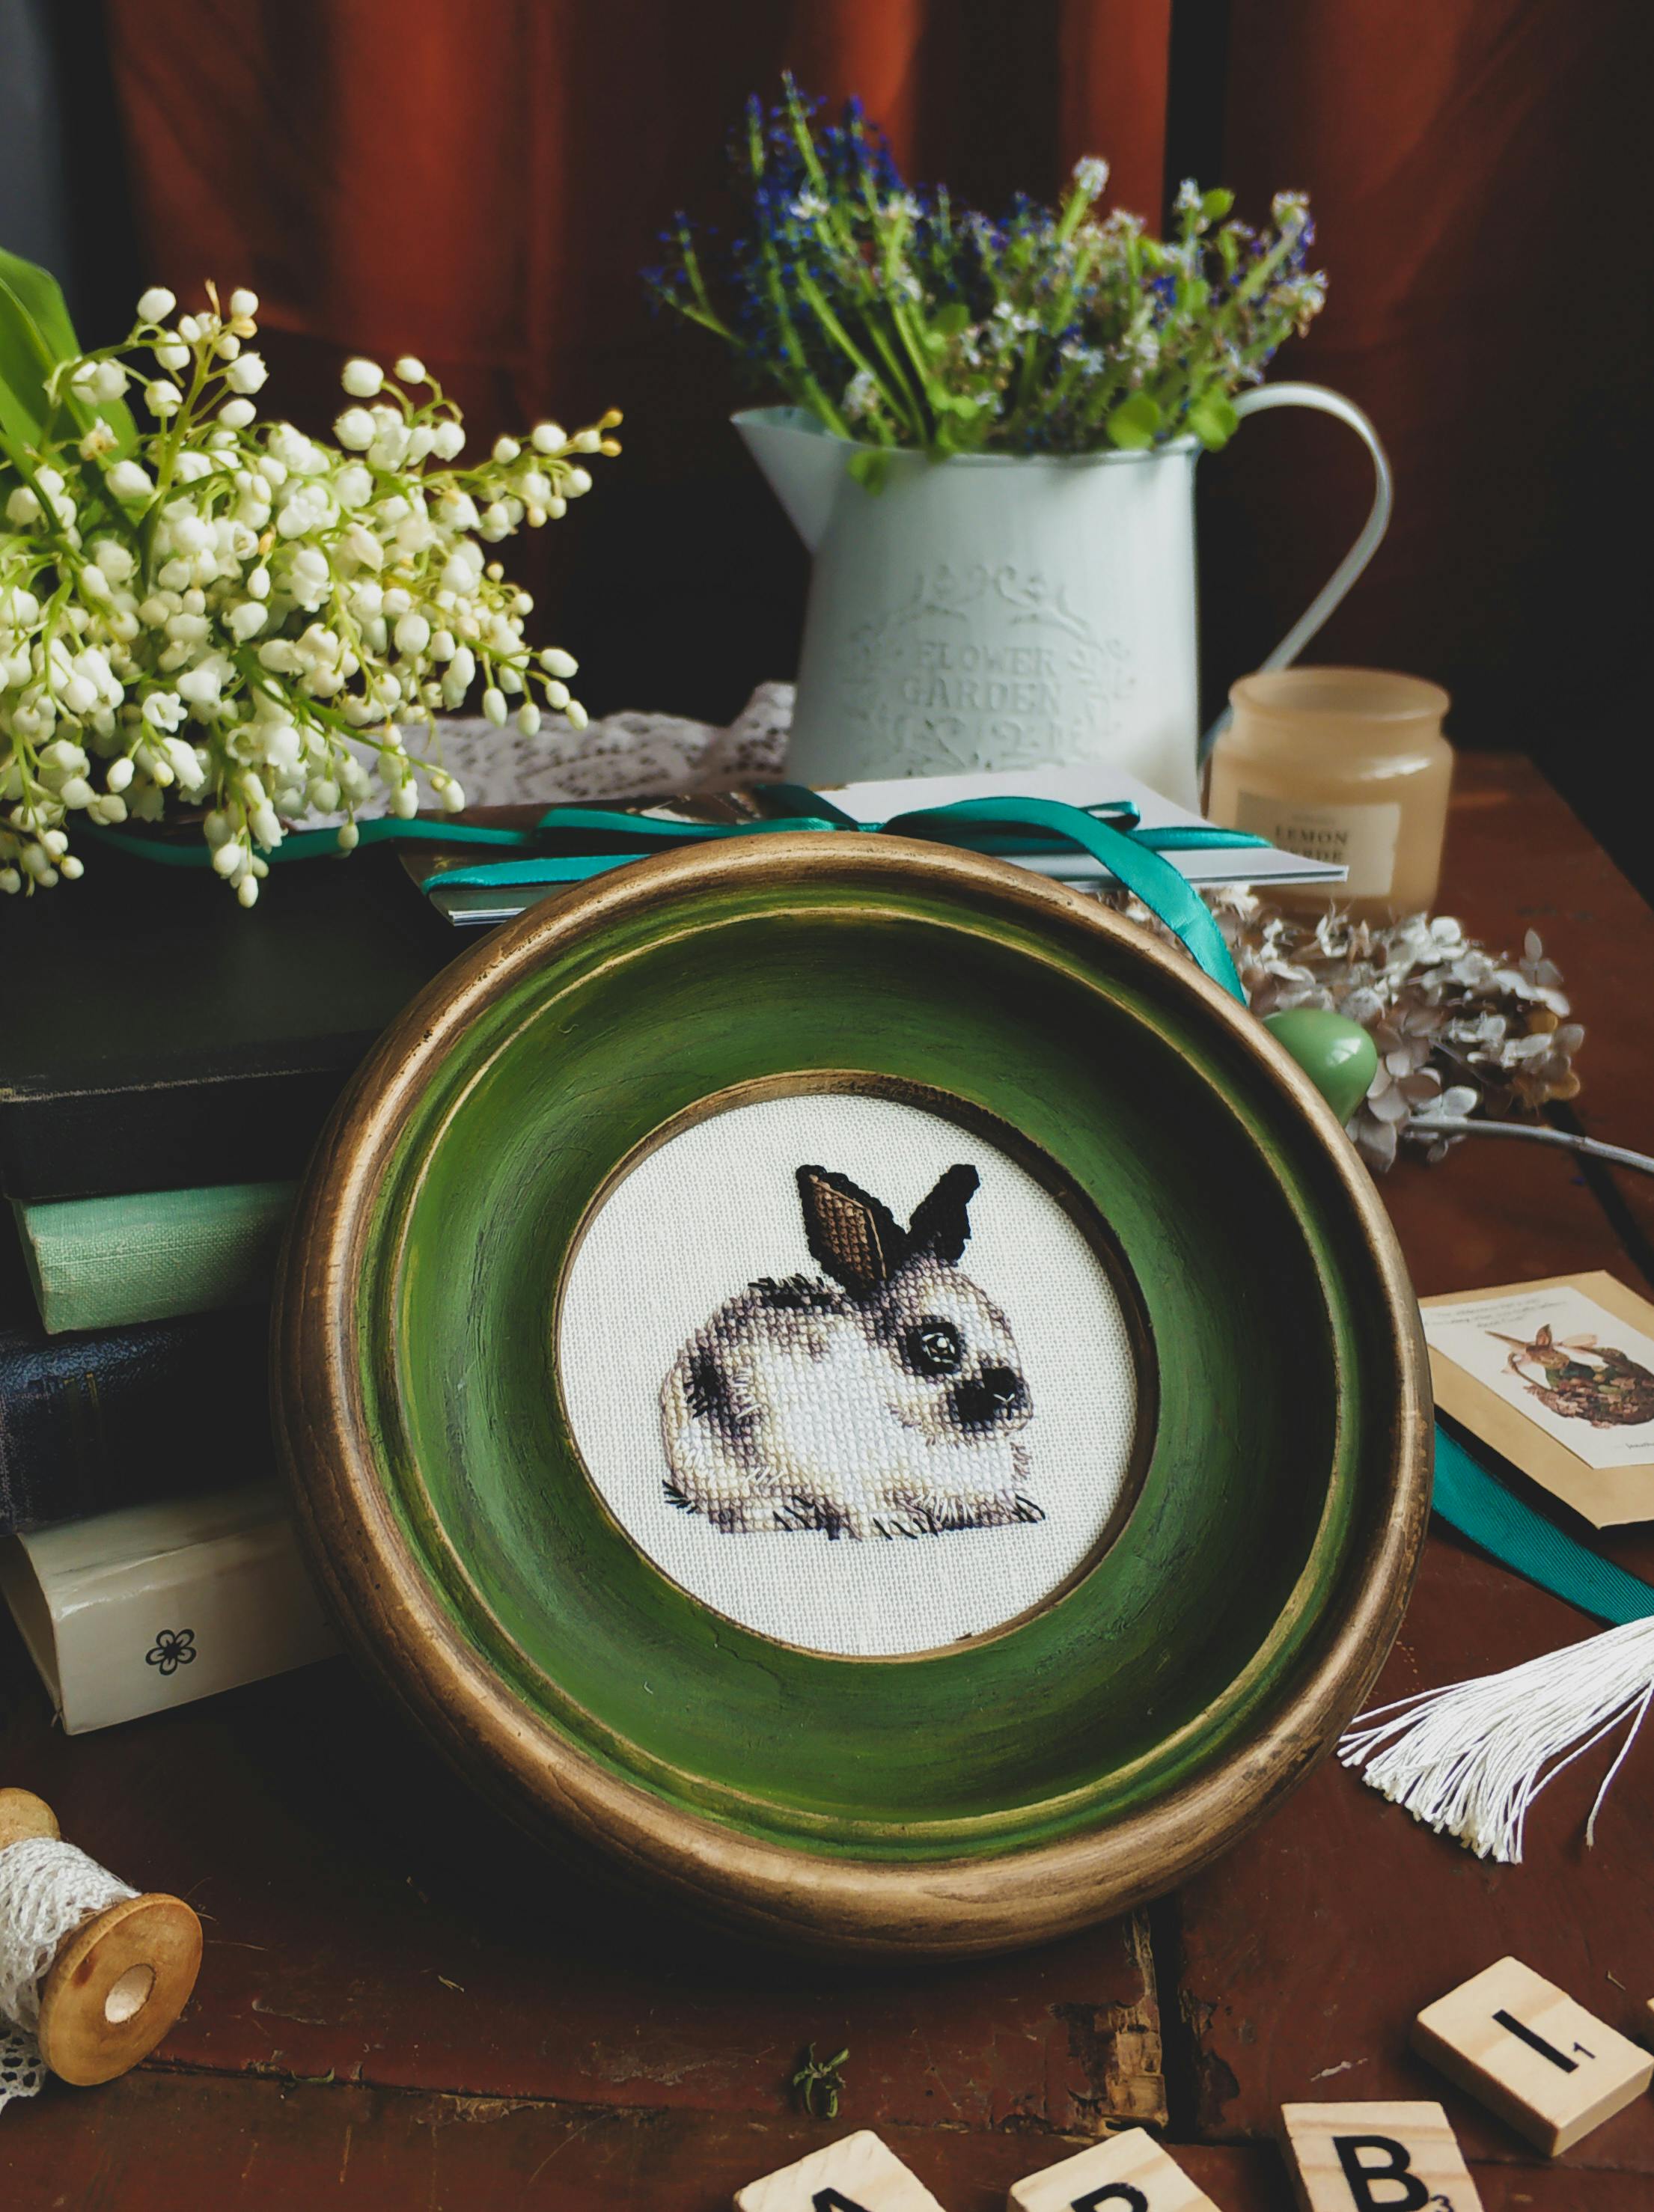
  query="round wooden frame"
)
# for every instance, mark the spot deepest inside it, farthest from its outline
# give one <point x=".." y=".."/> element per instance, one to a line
<point x="390" y="1545"/>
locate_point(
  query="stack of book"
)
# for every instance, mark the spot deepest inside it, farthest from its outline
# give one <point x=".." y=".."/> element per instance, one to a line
<point x="167" y="1061"/>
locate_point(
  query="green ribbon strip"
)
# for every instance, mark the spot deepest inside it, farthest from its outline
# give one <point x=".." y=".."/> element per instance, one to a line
<point x="1480" y="1506"/>
<point x="596" y="839"/>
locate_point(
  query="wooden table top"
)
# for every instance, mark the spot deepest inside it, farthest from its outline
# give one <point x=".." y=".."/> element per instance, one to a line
<point x="401" y="2006"/>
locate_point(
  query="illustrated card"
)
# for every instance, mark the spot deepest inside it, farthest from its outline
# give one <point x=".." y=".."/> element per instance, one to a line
<point x="1559" y="1376"/>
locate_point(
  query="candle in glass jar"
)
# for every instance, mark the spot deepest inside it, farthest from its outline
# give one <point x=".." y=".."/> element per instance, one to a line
<point x="1344" y="765"/>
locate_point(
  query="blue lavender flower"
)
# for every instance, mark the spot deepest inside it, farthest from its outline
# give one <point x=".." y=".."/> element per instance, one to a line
<point x="898" y="320"/>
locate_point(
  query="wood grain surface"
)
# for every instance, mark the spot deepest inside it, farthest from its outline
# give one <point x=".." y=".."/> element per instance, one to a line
<point x="401" y="2006"/>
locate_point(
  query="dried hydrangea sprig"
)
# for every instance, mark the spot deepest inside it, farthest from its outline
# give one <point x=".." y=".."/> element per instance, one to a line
<point x="1444" y="1012"/>
<point x="239" y="618"/>
<point x="1459" y="1029"/>
<point x="898" y="320"/>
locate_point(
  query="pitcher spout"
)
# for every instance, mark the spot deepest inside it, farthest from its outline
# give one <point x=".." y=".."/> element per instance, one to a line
<point x="805" y="465"/>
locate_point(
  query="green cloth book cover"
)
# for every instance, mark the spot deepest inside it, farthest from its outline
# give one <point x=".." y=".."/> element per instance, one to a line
<point x="153" y="1255"/>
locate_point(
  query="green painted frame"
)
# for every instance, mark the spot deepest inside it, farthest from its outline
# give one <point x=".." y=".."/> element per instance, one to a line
<point x="998" y="1791"/>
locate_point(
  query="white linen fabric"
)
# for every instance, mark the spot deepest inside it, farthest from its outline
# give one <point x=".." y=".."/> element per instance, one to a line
<point x="871" y="1413"/>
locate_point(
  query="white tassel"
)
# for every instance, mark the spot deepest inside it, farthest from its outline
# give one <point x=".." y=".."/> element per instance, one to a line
<point x="1471" y="1759"/>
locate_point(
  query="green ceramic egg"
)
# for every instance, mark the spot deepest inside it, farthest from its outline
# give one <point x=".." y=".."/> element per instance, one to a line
<point x="1337" y="1055"/>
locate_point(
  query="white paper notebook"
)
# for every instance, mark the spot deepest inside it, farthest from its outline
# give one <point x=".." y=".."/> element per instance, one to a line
<point x="133" y="1612"/>
<point x="1089" y="787"/>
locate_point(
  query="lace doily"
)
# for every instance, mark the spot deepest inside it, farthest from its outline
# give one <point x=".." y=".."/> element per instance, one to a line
<point x="47" y="1888"/>
<point x="627" y="755"/>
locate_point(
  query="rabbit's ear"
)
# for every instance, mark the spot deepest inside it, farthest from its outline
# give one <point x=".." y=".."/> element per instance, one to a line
<point x="855" y="1239"/>
<point x="1544" y="1335"/>
<point x="940" y="1222"/>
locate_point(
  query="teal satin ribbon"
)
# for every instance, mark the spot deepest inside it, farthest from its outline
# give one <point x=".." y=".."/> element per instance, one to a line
<point x="601" y="838"/>
<point x="1480" y="1506"/>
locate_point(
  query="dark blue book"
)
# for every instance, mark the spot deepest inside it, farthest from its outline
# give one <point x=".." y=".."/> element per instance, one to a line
<point x="113" y="1416"/>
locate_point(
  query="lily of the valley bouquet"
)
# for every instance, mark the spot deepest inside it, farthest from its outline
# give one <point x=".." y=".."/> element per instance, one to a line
<point x="214" y="614"/>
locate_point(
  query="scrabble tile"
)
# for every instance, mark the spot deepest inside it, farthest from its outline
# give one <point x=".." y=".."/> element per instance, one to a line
<point x="1128" y="2172"/>
<point x="1542" y="2062"/>
<point x="1376" y="2158"/>
<point x="859" y="2173"/>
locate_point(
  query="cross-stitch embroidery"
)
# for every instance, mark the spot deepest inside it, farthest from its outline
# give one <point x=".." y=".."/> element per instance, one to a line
<point x="882" y="1398"/>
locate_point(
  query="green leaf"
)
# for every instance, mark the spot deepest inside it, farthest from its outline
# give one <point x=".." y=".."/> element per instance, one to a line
<point x="1214" y="206"/>
<point x="1133" y="422"/>
<point x="1213" y="419"/>
<point x="36" y="335"/>
<point x="35" y="332"/>
<point x="951" y="319"/>
<point x="18" y="423"/>
<point x="868" y="467"/>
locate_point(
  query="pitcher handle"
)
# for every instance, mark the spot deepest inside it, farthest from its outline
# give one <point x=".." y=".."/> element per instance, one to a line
<point x="1317" y="396"/>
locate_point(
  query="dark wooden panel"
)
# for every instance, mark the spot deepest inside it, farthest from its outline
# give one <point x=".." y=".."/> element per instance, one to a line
<point x="365" y="1915"/>
<point x="158" y="2143"/>
<point x="1498" y="1211"/>
<point x="1518" y="859"/>
<point x="1307" y="1952"/>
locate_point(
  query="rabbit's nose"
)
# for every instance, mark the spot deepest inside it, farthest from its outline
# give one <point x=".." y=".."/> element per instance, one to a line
<point x="991" y="1396"/>
<point x="1003" y="1385"/>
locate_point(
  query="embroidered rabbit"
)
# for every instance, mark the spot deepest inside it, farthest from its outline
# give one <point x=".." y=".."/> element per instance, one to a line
<point x="882" y="1398"/>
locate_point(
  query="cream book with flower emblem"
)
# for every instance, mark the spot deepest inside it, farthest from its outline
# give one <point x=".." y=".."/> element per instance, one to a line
<point x="154" y="1606"/>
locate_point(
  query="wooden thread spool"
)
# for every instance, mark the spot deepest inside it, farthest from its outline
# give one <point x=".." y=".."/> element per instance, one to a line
<point x="120" y="1980"/>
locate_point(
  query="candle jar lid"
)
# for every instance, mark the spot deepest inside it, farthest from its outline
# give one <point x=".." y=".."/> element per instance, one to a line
<point x="1374" y="698"/>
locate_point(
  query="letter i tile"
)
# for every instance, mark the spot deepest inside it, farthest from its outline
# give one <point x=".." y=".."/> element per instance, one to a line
<point x="1377" y="2158"/>
<point x="1539" y="2060"/>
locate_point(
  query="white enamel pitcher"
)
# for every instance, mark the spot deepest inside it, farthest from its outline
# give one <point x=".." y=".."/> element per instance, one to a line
<point x="998" y="611"/>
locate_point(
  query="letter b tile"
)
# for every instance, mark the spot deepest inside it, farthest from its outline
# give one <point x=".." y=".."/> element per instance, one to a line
<point x="1376" y="2158"/>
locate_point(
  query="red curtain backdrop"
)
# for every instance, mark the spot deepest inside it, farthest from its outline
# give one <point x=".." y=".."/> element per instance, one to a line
<point x="1475" y="166"/>
<point x="481" y="183"/>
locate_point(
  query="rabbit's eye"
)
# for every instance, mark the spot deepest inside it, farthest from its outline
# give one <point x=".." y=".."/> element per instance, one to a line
<point x="933" y="1346"/>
